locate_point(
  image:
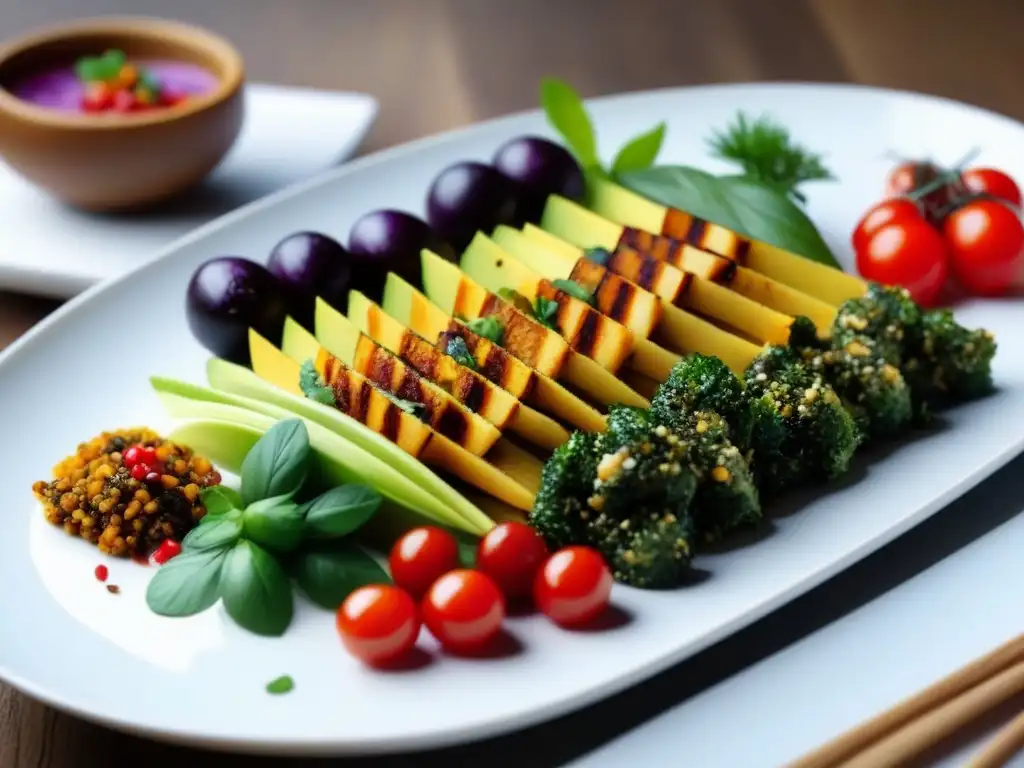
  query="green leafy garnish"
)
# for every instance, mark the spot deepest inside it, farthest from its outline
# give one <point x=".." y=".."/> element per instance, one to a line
<point x="574" y="289"/>
<point x="275" y="523"/>
<point x="489" y="327"/>
<point x="758" y="211"/>
<point x="567" y="115"/>
<point x="187" y="584"/>
<point x="276" y="465"/>
<point x="340" y="511"/>
<point x="419" y="410"/>
<point x="598" y="255"/>
<point x="546" y="311"/>
<point x="767" y="154"/>
<point x="283" y="684"/>
<point x="219" y="499"/>
<point x="233" y="554"/>
<point x="256" y="591"/>
<point x="330" y="573"/>
<point x="313" y="386"/>
<point x="455" y="347"/>
<point x="641" y="152"/>
<point x="516" y="299"/>
<point x="222" y="531"/>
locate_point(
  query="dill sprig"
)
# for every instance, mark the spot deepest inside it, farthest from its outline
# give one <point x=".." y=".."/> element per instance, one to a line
<point x="767" y="154"/>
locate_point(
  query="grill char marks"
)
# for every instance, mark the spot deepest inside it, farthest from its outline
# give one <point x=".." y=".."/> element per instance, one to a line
<point x="612" y="295"/>
<point x="705" y="235"/>
<point x="692" y="259"/>
<point x="522" y="337"/>
<point x="429" y="362"/>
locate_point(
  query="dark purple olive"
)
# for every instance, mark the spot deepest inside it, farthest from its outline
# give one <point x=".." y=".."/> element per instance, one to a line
<point x="541" y="168"/>
<point x="309" y="264"/>
<point x="467" y="198"/>
<point x="390" y="241"/>
<point x="228" y="295"/>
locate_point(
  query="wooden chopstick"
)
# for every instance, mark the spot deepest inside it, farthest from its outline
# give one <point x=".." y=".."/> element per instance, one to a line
<point x="1003" y="746"/>
<point x="860" y="737"/>
<point x="937" y="725"/>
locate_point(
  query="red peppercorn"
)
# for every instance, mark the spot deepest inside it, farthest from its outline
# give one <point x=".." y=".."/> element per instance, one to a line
<point x="147" y="455"/>
<point x="102" y="573"/>
<point x="168" y="548"/>
<point x="98" y="98"/>
<point x="153" y="477"/>
<point x="139" y="471"/>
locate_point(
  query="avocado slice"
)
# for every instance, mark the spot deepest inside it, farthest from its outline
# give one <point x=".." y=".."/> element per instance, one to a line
<point x="601" y="338"/>
<point x="342" y="339"/>
<point x="829" y="285"/>
<point x="339" y="460"/>
<point x="705" y="292"/>
<point x="536" y="345"/>
<point x="677" y="330"/>
<point x="510" y="474"/>
<point x="495" y="266"/>
<point x="464" y="383"/>
<point x="410" y="307"/>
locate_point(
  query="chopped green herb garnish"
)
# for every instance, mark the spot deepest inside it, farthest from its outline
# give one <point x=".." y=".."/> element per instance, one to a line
<point x="489" y="327"/>
<point x="419" y="410"/>
<point x="574" y="289"/>
<point x="283" y="684"/>
<point x="456" y="348"/>
<point x="545" y="311"/>
<point x="516" y="299"/>
<point x="598" y="255"/>
<point x="313" y="386"/>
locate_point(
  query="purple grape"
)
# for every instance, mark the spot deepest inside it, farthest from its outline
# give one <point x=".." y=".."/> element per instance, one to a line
<point x="310" y="264"/>
<point x="540" y="168"/>
<point x="228" y="295"/>
<point x="467" y="198"/>
<point x="389" y="241"/>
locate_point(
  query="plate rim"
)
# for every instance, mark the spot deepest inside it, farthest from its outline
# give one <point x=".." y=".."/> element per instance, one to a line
<point x="459" y="734"/>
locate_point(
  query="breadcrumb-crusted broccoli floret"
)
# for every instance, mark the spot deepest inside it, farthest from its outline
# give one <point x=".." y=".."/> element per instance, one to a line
<point x="871" y="388"/>
<point x="941" y="361"/>
<point x="626" y="493"/>
<point x="703" y="383"/>
<point x="801" y="430"/>
<point x="726" y="496"/>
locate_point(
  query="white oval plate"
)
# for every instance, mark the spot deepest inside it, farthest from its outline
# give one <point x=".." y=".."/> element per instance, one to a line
<point x="68" y="642"/>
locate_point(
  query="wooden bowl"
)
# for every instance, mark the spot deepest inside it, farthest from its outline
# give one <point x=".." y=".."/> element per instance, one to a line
<point x="107" y="162"/>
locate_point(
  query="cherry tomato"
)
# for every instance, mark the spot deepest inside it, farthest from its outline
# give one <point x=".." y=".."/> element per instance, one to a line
<point x="909" y="254"/>
<point x="378" y="623"/>
<point x="573" y="586"/>
<point x="992" y="182"/>
<point x="464" y="610"/>
<point x="912" y="176"/>
<point x="885" y="212"/>
<point x="986" y="244"/>
<point x="510" y="554"/>
<point x="422" y="556"/>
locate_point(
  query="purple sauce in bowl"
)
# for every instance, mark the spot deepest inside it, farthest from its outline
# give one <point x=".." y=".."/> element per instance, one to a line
<point x="60" y="88"/>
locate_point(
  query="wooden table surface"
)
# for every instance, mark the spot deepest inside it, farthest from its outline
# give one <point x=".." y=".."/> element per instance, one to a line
<point x="438" y="64"/>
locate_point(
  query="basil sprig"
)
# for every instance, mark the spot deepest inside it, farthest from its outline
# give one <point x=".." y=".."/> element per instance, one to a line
<point x="756" y="204"/>
<point x="252" y="544"/>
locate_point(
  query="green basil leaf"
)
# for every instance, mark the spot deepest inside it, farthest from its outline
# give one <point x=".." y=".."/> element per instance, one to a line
<point x="330" y="574"/>
<point x="340" y="511"/>
<point x="567" y="115"/>
<point x="221" y="531"/>
<point x="456" y="348"/>
<point x="574" y="289"/>
<point x="89" y="69"/>
<point x="219" y="499"/>
<point x="256" y="591"/>
<point x="640" y="153"/>
<point x="187" y="584"/>
<point x="274" y="523"/>
<point x="489" y="327"/>
<point x="757" y="211"/>
<point x="276" y="465"/>
<point x="545" y="311"/>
